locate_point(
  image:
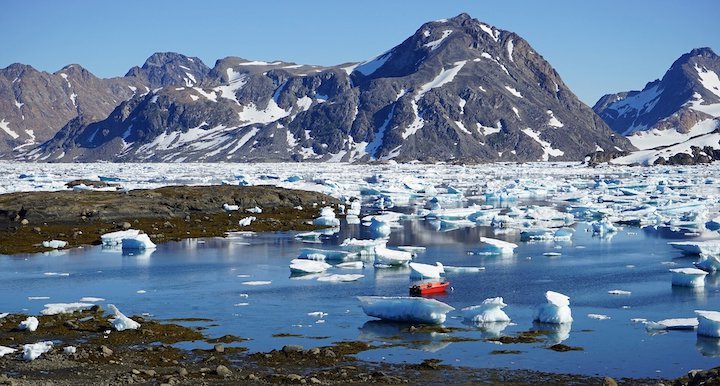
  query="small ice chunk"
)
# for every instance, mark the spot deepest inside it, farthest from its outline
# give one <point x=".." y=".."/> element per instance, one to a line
<point x="327" y="218"/>
<point x="141" y="241"/>
<point x="254" y="210"/>
<point x="405" y="309"/>
<point x="230" y="208"/>
<point x="91" y="299"/>
<point x="6" y="350"/>
<point x="688" y="277"/>
<point x="603" y="227"/>
<point x="257" y="282"/>
<point x="490" y="310"/>
<point x="708" y="263"/>
<point x="308" y="266"/>
<point x="457" y="269"/>
<point x="122" y="322"/>
<point x="598" y="316"/>
<point x="426" y="271"/>
<point x="555" y="311"/>
<point x="246" y="221"/>
<point x="115" y="238"/>
<point x="64" y="308"/>
<point x="673" y="324"/>
<point x="33" y="351"/>
<point x="338" y="278"/>
<point x="318" y="314"/>
<point x="379" y="229"/>
<point x="351" y="265"/>
<point x="385" y="256"/>
<point x="70" y="350"/>
<point x="496" y="247"/>
<point x="29" y="324"/>
<point x="619" y="292"/>
<point x="55" y="244"/>
<point x="708" y="323"/>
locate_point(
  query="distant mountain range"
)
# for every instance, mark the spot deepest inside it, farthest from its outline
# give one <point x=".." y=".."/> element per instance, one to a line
<point x="674" y="119"/>
<point x="458" y="90"/>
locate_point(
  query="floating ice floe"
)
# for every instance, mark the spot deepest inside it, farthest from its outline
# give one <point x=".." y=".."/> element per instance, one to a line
<point x="708" y="323"/>
<point x="688" y="277"/>
<point x="246" y="221"/>
<point x="385" y="256"/>
<point x="257" y="282"/>
<point x="33" y="351"/>
<point x="308" y="266"/>
<point x="91" y="299"/>
<point x="405" y="309"/>
<point x="29" y="324"/>
<point x="55" y="244"/>
<point x="6" y="350"/>
<point x="122" y="322"/>
<point x="708" y="263"/>
<point x="672" y="324"/>
<point x="64" y="308"/>
<point x="489" y="311"/>
<point x="426" y="271"/>
<point x="457" y="269"/>
<point x="619" y="292"/>
<point x="351" y="265"/>
<point x="555" y="311"/>
<point x="139" y="242"/>
<point x="340" y="278"/>
<point x="708" y="247"/>
<point x="496" y="247"/>
<point x="326" y="254"/>
<point x="327" y="218"/>
<point x="598" y="316"/>
<point x="115" y="238"/>
<point x="379" y="229"/>
<point x="230" y="208"/>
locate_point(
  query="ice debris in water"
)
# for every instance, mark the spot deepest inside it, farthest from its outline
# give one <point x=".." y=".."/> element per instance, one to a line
<point x="308" y="266"/>
<point x="29" y="324"/>
<point x="598" y="316"/>
<point x="459" y="269"/>
<point x="122" y="322"/>
<point x="405" y="309"/>
<point x="708" y="263"/>
<point x="490" y="310"/>
<point x="386" y="256"/>
<point x="496" y="247"/>
<point x="555" y="311"/>
<point x="426" y="271"/>
<point x="64" y="308"/>
<point x="338" y="278"/>
<point x="708" y="323"/>
<point x="33" y="351"/>
<point x="55" y="244"/>
<point x="327" y="218"/>
<point x="619" y="292"/>
<point x="139" y="242"/>
<point x="379" y="229"/>
<point x="115" y="238"/>
<point x="672" y="324"/>
<point x="688" y="277"/>
<point x="246" y="221"/>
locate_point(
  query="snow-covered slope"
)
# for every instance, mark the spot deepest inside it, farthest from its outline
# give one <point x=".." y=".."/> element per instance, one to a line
<point x="672" y="119"/>
<point x="456" y="90"/>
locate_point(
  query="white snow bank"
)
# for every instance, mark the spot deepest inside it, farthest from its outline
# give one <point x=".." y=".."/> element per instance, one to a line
<point x="6" y="350"/>
<point x="405" y="309"/>
<point x="122" y="322"/>
<point x="33" y="351"/>
<point x="555" y="311"/>
<point x="29" y="324"/>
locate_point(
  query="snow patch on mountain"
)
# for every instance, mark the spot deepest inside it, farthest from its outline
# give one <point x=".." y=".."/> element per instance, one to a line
<point x="654" y="138"/>
<point x="709" y="79"/>
<point x="548" y="150"/>
<point x="435" y="43"/>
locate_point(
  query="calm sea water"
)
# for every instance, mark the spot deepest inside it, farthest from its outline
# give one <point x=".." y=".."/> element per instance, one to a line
<point x="205" y="279"/>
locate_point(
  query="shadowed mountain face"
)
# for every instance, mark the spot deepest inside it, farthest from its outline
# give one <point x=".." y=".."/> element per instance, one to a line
<point x="456" y="90"/>
<point x="672" y="114"/>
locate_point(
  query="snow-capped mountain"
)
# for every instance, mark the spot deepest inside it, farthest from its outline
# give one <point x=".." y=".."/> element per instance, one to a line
<point x="672" y="115"/>
<point x="456" y="90"/>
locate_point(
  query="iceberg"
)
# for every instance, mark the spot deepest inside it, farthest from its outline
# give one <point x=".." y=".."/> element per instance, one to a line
<point x="555" y="311"/>
<point x="489" y="311"/>
<point x="708" y="247"/>
<point x="496" y="247"/>
<point x="29" y="324"/>
<point x="327" y="218"/>
<point x="122" y="322"/>
<point x="379" y="229"/>
<point x="55" y="244"/>
<point x="708" y="263"/>
<point x="115" y="238"/>
<point x="33" y="351"/>
<point x="308" y="266"/>
<point x="688" y="277"/>
<point x="351" y="265"/>
<point x="385" y="256"/>
<point x="426" y="271"/>
<point x="141" y="241"/>
<point x="405" y="309"/>
<point x="603" y="227"/>
<point x="363" y="247"/>
<point x="6" y="350"/>
<point x="354" y="208"/>
<point x="708" y="323"/>
<point x="64" y="308"/>
<point x="326" y="254"/>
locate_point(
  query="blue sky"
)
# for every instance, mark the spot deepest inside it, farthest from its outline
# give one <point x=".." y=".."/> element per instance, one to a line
<point x="597" y="46"/>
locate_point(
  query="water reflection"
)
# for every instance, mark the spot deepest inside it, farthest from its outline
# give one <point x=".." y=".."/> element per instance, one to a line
<point x="709" y="347"/>
<point x="406" y="334"/>
<point x="489" y="329"/>
<point x="555" y="333"/>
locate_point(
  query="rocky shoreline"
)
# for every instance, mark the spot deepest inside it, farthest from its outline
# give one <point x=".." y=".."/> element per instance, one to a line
<point x="168" y="213"/>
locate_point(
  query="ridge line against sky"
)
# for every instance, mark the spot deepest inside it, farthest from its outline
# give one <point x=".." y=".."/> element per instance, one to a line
<point x="596" y="47"/>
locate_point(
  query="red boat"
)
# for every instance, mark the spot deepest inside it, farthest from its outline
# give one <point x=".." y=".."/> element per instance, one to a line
<point x="435" y="287"/>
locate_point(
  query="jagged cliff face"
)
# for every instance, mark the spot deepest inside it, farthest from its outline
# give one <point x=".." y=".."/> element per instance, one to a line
<point x="673" y="114"/>
<point x="456" y="90"/>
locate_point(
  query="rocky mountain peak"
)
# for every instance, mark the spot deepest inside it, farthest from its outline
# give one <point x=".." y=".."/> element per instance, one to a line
<point x="170" y="69"/>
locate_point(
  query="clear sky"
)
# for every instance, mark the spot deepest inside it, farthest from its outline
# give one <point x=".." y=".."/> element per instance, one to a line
<point x="597" y="46"/>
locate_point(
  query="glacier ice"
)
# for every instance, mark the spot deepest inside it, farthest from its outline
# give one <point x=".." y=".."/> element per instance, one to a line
<point x="246" y="221"/>
<point x="122" y="322"/>
<point x="555" y="311"/>
<point x="489" y="311"/>
<point x="405" y="309"/>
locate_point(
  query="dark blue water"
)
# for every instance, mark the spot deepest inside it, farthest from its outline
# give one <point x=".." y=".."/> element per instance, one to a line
<point x="204" y="279"/>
